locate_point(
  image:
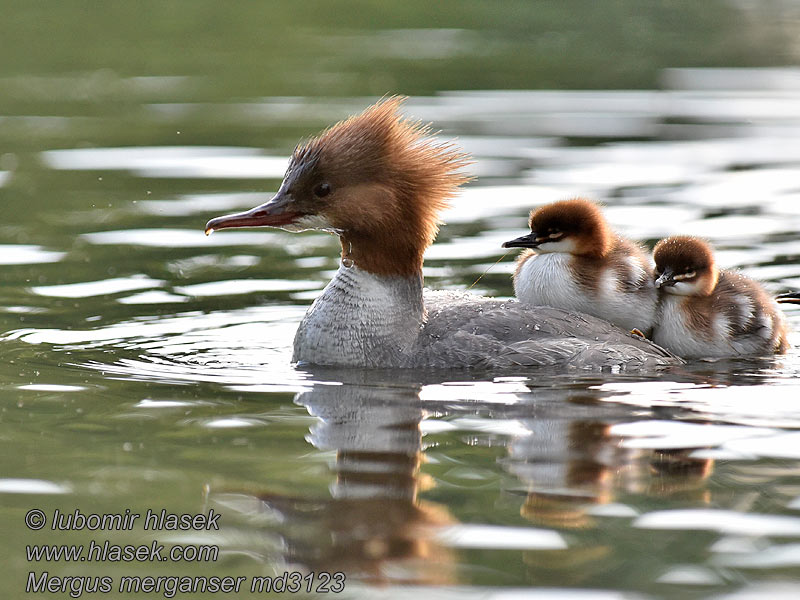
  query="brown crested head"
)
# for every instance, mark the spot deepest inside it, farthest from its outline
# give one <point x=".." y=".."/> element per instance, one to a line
<point x="378" y="180"/>
<point x="575" y="226"/>
<point x="685" y="266"/>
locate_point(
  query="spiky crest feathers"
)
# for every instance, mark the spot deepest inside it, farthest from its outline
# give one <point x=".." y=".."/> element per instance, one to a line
<point x="398" y="180"/>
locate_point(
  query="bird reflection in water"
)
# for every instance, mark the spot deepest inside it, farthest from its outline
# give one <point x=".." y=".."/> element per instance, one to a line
<point x="574" y="472"/>
<point x="373" y="527"/>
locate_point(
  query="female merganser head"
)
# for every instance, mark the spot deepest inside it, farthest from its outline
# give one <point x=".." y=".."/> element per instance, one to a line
<point x="379" y="182"/>
<point x="575" y="261"/>
<point x="707" y="312"/>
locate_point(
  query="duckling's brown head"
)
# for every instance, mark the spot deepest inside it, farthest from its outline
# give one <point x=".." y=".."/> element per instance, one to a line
<point x="685" y="266"/>
<point x="377" y="179"/>
<point x="576" y="226"/>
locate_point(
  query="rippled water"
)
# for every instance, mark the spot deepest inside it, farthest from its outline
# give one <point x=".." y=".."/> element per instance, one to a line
<point x="145" y="365"/>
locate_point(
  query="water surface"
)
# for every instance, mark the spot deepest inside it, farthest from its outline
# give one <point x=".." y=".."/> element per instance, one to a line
<point x="144" y="365"/>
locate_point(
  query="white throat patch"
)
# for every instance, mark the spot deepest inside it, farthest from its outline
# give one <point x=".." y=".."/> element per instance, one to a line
<point x="682" y="288"/>
<point x="307" y="222"/>
<point x="564" y="245"/>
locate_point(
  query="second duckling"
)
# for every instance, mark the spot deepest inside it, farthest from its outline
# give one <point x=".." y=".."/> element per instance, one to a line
<point x="706" y="312"/>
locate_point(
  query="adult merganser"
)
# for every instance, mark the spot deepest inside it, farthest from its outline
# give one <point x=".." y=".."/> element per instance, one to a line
<point x="575" y="261"/>
<point x="379" y="181"/>
<point x="707" y="312"/>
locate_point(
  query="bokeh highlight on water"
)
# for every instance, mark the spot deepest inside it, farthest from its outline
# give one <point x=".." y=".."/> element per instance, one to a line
<point x="148" y="366"/>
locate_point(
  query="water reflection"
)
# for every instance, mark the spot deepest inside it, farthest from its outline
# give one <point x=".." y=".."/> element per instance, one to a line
<point x="171" y="161"/>
<point x="373" y="526"/>
<point x="574" y="467"/>
<point x="571" y="473"/>
<point x="26" y="254"/>
<point x="168" y="352"/>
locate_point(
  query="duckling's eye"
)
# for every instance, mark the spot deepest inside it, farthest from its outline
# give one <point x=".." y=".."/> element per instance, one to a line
<point x="554" y="233"/>
<point x="322" y="190"/>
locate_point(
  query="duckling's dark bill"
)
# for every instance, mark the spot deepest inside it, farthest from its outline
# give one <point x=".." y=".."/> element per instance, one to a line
<point x="666" y="279"/>
<point x="789" y="298"/>
<point x="526" y="241"/>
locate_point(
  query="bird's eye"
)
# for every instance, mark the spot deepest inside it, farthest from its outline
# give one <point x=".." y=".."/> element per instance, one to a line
<point x="689" y="274"/>
<point x="554" y="233"/>
<point x="322" y="190"/>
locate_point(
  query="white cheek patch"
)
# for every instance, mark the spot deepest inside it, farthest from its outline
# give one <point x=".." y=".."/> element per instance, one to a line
<point x="681" y="288"/>
<point x="682" y="276"/>
<point x="565" y="245"/>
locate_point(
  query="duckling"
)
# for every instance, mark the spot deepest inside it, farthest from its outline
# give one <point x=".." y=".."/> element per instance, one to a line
<point x="574" y="260"/>
<point x="379" y="181"/>
<point x="706" y="312"/>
